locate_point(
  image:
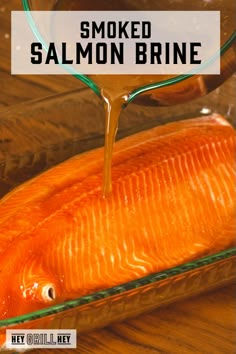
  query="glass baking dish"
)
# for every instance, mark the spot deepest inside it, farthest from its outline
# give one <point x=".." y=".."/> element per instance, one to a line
<point x="39" y="134"/>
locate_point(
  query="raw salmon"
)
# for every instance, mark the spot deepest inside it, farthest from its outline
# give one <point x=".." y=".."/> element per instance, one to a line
<point x="173" y="201"/>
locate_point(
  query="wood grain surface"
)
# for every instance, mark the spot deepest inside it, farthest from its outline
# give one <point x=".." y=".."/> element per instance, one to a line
<point x="204" y="324"/>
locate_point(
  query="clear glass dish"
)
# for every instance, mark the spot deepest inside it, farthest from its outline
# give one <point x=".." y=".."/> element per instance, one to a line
<point x="39" y="134"/>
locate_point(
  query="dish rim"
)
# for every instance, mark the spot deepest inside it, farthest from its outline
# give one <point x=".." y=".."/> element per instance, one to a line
<point x="120" y="289"/>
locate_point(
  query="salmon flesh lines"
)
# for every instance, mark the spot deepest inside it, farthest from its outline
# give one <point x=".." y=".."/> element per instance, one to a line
<point x="173" y="201"/>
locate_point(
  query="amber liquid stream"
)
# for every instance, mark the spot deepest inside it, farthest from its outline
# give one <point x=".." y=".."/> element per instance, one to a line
<point x="115" y="89"/>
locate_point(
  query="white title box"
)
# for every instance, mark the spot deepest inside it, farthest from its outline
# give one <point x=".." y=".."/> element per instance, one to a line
<point x="116" y="42"/>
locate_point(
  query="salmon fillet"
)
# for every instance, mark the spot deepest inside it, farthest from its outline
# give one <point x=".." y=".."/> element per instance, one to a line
<point x="173" y="201"/>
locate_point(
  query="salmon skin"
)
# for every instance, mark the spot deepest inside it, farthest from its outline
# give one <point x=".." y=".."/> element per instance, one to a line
<point x="173" y="201"/>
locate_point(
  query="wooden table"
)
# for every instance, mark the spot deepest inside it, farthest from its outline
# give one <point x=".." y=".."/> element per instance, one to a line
<point x="204" y="324"/>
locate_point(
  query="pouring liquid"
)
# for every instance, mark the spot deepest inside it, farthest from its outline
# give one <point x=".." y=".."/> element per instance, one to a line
<point x="115" y="89"/>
